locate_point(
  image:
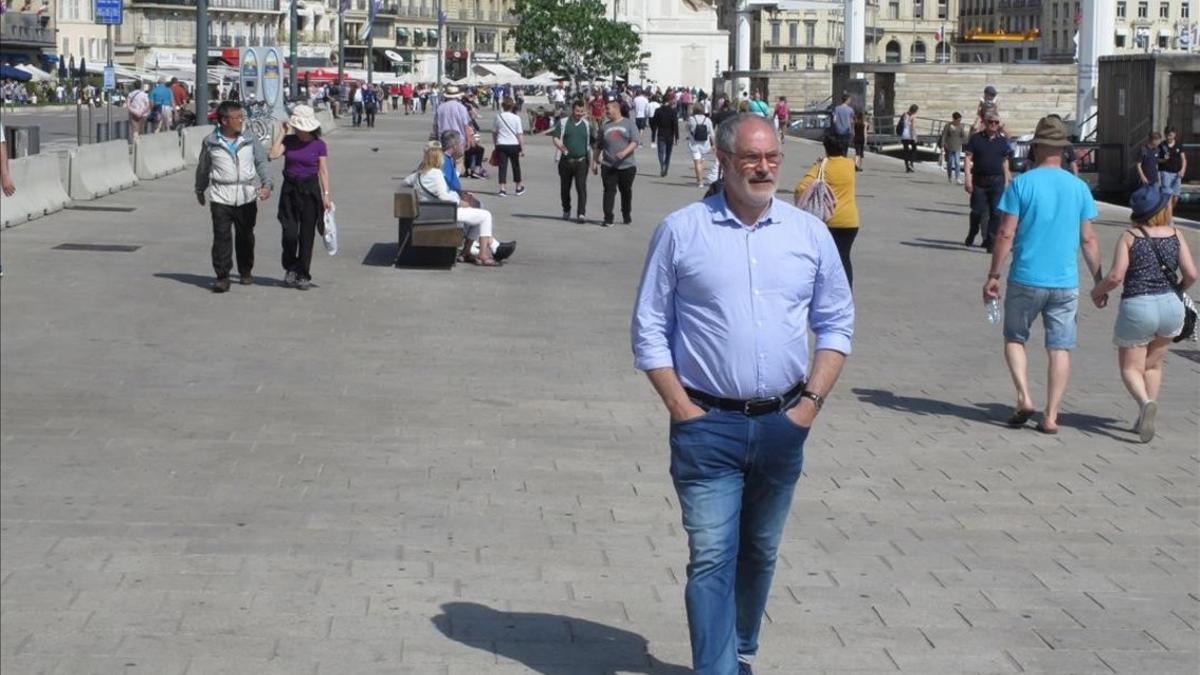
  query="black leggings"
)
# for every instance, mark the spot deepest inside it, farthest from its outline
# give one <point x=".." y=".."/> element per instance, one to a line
<point x="509" y="153"/>
<point x="910" y="152"/>
<point x="843" y="238"/>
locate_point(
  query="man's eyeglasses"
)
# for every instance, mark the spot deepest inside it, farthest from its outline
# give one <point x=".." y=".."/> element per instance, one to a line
<point x="993" y="122"/>
<point x="773" y="160"/>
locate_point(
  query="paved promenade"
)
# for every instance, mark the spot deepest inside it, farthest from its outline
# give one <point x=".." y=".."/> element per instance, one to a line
<point x="460" y="473"/>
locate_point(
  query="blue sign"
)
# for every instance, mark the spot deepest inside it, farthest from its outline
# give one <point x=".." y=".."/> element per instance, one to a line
<point x="110" y="78"/>
<point x="109" y="12"/>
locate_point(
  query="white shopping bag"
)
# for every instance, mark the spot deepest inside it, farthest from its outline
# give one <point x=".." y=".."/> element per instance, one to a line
<point x="330" y="238"/>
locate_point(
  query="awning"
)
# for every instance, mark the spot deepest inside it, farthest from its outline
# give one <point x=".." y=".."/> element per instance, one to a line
<point x="497" y="73"/>
<point x="401" y="32"/>
<point x="1165" y="32"/>
<point x="1123" y="32"/>
<point x="393" y="56"/>
<point x="432" y="34"/>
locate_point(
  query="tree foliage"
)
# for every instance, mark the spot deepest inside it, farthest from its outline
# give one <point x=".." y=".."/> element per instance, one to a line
<point x="574" y="38"/>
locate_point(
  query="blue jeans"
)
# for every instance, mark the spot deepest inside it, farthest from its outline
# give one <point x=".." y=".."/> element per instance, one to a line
<point x="664" y="153"/>
<point x="734" y="476"/>
<point x="953" y="165"/>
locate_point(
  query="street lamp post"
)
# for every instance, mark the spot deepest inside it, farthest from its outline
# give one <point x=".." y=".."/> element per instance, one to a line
<point x="293" y="26"/>
<point x="201" y="87"/>
<point x="440" y="54"/>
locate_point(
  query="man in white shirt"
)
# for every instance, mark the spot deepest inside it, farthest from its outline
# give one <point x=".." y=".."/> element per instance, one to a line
<point x="640" y="111"/>
<point x="558" y="96"/>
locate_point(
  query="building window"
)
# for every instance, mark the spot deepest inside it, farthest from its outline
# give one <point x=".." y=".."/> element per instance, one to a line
<point x="1018" y="55"/>
<point x="810" y="62"/>
<point x="1143" y="9"/>
<point x="1054" y="41"/>
<point x="1033" y="53"/>
<point x="918" y="9"/>
<point x="1164" y="10"/>
<point x="892" y="53"/>
<point x="918" y="52"/>
<point x="793" y="33"/>
<point x="810" y="33"/>
<point x="1121" y="10"/>
<point x="792" y="61"/>
<point x="893" y="9"/>
<point x="775" y="33"/>
<point x="943" y="9"/>
<point x="1162" y="41"/>
<point x="1185" y="10"/>
<point x="774" y="60"/>
<point x="1119" y="41"/>
<point x="943" y="52"/>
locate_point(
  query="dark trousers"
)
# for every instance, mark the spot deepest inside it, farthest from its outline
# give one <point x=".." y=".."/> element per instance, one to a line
<point x="300" y="208"/>
<point x="356" y="114"/>
<point x="843" y="238"/>
<point x="665" y="145"/>
<point x="653" y="130"/>
<point x="985" y="198"/>
<point x="371" y="110"/>
<point x="225" y="221"/>
<point x="618" y="179"/>
<point x="573" y="172"/>
<point x="473" y="160"/>
<point x="910" y="153"/>
<point x="510" y="153"/>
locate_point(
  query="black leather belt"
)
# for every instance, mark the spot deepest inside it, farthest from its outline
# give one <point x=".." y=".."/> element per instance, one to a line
<point x="750" y="407"/>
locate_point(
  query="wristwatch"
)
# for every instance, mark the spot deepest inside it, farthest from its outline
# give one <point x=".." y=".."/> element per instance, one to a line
<point x="817" y="399"/>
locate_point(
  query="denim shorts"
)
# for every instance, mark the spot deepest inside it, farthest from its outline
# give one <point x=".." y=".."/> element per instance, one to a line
<point x="1057" y="306"/>
<point x="1142" y="318"/>
<point x="1169" y="182"/>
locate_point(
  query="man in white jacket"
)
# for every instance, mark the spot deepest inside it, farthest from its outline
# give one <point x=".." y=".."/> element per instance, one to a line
<point x="232" y="174"/>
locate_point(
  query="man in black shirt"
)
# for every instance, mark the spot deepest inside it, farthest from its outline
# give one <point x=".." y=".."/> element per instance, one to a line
<point x="987" y="175"/>
<point x="1172" y="164"/>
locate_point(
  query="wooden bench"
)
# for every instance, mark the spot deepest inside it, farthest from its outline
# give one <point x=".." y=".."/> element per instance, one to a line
<point x="429" y="234"/>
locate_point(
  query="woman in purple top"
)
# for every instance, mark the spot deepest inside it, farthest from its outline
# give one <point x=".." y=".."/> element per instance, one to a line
<point x="304" y="198"/>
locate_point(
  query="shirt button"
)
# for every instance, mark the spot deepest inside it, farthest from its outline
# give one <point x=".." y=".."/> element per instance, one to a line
<point x="754" y="261"/>
<point x="756" y="291"/>
<point x="760" y="324"/>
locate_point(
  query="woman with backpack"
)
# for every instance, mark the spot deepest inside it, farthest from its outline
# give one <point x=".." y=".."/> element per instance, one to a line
<point x="700" y="133"/>
<point x="906" y="129"/>
<point x="836" y="172"/>
<point x="1153" y="264"/>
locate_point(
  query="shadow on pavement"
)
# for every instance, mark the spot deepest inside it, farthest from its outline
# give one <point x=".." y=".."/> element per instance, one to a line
<point x="959" y="212"/>
<point x="940" y="244"/>
<point x="1094" y="424"/>
<point x="382" y="254"/>
<point x="1189" y="354"/>
<point x="987" y="413"/>
<point x="550" y="644"/>
<point x="206" y="281"/>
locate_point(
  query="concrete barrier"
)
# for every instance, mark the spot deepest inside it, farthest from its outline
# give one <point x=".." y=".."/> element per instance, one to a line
<point x="157" y="155"/>
<point x="39" y="190"/>
<point x="193" y="138"/>
<point x="100" y="169"/>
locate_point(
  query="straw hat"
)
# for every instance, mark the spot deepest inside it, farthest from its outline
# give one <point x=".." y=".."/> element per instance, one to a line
<point x="452" y="91"/>
<point x="304" y="119"/>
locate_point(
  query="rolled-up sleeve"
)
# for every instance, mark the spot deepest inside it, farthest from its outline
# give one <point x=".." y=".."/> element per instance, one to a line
<point x="831" y="317"/>
<point x="654" y="312"/>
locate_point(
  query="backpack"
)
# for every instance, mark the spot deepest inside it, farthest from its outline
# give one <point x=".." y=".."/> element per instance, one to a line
<point x="900" y="126"/>
<point x="818" y="197"/>
<point x="700" y="133"/>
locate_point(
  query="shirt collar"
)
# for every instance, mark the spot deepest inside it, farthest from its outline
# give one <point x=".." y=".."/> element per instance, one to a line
<point x="723" y="215"/>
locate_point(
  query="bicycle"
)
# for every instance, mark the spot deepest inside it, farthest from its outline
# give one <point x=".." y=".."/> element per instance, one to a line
<point x="260" y="121"/>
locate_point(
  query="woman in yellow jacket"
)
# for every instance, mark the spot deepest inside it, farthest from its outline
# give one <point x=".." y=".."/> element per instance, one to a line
<point x="839" y="174"/>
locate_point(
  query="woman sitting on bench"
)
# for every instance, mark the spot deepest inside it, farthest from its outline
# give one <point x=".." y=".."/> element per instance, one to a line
<point x="431" y="187"/>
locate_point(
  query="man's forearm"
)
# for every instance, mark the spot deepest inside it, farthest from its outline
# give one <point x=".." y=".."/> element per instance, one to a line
<point x="666" y="383"/>
<point x="1091" y="256"/>
<point x="826" y="368"/>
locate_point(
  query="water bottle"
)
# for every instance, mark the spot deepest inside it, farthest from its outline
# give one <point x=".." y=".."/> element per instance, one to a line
<point x="993" y="311"/>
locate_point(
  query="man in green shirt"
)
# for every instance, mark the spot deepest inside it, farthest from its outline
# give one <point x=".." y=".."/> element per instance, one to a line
<point x="573" y="137"/>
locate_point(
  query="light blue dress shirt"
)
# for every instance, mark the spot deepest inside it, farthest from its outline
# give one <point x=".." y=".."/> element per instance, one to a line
<point x="729" y="306"/>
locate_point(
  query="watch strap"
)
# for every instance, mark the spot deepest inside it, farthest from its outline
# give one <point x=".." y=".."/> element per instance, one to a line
<point x="817" y="399"/>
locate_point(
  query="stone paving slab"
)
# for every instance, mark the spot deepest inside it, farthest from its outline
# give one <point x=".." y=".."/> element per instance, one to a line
<point x="452" y="473"/>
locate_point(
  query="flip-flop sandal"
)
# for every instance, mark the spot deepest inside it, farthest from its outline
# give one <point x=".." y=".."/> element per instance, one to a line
<point x="1019" y="418"/>
<point x="486" y="263"/>
<point x="1041" y="427"/>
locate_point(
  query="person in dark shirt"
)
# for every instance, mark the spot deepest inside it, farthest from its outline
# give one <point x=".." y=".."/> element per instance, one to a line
<point x="1147" y="166"/>
<point x="667" y="124"/>
<point x="1172" y="164"/>
<point x="987" y="174"/>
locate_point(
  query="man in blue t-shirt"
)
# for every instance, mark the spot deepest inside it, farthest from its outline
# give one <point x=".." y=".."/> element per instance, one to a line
<point x="1046" y="214"/>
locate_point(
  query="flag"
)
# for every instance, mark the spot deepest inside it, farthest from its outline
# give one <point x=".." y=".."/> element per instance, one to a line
<point x="343" y="7"/>
<point x="940" y="34"/>
<point x="3" y="6"/>
<point x="373" y="9"/>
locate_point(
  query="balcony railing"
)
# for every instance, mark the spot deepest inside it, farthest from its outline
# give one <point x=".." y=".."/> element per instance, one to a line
<point x="225" y="41"/>
<point x="315" y="36"/>
<point x="27" y="27"/>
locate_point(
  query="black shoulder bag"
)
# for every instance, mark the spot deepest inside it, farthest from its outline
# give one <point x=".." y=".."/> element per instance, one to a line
<point x="1189" y="308"/>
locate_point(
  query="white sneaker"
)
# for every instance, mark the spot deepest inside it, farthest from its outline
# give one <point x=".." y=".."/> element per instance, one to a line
<point x="654" y="145"/>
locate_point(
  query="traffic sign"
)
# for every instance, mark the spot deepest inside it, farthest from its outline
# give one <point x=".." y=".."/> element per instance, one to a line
<point x="109" y="12"/>
<point x="110" y="78"/>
